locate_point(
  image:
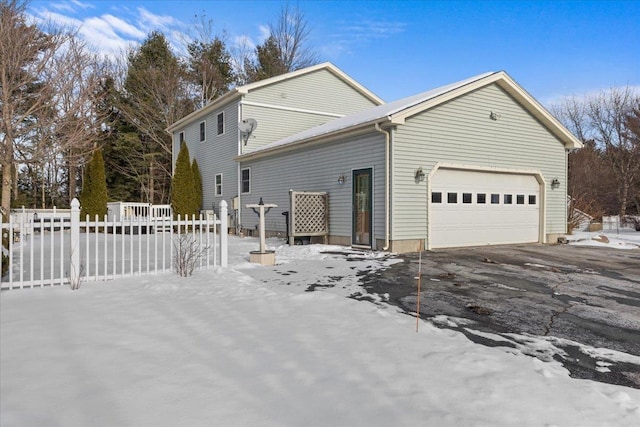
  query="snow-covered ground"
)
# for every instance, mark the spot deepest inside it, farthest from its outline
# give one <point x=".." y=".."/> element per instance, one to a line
<point x="624" y="238"/>
<point x="222" y="348"/>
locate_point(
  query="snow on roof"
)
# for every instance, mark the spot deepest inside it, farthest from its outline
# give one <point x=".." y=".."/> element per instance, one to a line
<point x="371" y="115"/>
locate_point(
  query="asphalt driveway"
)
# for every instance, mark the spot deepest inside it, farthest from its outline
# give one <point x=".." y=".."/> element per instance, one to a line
<point x="573" y="293"/>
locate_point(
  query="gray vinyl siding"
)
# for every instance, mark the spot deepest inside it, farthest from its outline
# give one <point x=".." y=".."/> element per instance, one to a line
<point x="274" y="124"/>
<point x="215" y="155"/>
<point x="317" y="169"/>
<point x="461" y="132"/>
<point x="320" y="90"/>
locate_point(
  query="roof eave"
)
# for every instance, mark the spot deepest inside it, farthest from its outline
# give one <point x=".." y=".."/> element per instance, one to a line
<point x="324" y="65"/>
<point x="510" y="86"/>
<point x="325" y="137"/>
<point x="224" y="99"/>
<point x="539" y="112"/>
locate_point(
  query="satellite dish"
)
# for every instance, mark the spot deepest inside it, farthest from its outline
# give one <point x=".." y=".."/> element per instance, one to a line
<point x="247" y="126"/>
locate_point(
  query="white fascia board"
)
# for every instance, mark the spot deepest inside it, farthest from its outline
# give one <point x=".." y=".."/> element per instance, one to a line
<point x="297" y="110"/>
<point x="325" y="65"/>
<point x="198" y="114"/>
<point x="538" y="111"/>
<point x="503" y="80"/>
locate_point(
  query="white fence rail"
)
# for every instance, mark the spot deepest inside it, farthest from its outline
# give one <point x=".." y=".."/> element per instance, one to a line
<point x="41" y="253"/>
<point x="614" y="223"/>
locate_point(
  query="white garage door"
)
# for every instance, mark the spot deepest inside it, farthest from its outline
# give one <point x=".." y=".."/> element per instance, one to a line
<point x="471" y="208"/>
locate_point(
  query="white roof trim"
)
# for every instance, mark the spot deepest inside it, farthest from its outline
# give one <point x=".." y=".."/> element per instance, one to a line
<point x="379" y="114"/>
<point x="397" y="112"/>
<point x="243" y="90"/>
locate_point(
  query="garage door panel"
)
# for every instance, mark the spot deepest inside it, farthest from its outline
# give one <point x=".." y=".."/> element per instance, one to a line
<point x="469" y="224"/>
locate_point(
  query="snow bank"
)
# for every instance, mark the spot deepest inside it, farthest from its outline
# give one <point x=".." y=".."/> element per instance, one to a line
<point x="625" y="238"/>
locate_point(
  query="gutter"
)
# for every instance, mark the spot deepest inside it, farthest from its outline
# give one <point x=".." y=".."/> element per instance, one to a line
<point x="387" y="192"/>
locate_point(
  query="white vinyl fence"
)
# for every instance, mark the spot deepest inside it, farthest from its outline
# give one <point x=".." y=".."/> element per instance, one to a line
<point x="44" y="252"/>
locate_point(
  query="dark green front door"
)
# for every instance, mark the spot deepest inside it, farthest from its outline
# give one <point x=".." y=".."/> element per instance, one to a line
<point x="362" y="214"/>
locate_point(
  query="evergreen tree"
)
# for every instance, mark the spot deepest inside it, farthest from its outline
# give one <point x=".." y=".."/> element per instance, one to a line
<point x="93" y="198"/>
<point x="156" y="93"/>
<point x="210" y="68"/>
<point x="197" y="186"/>
<point x="182" y="190"/>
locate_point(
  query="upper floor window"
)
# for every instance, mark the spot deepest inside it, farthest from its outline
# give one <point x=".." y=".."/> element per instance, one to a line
<point x="219" y="184"/>
<point x="203" y="131"/>
<point x="246" y="180"/>
<point x="181" y="137"/>
<point x="220" y="123"/>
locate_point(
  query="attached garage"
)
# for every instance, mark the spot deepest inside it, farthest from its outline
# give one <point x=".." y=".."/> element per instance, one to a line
<point x="472" y="208"/>
<point x="477" y="162"/>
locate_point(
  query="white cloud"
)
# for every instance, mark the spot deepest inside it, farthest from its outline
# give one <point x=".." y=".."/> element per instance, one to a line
<point x="57" y="19"/>
<point x="360" y="32"/>
<point x="71" y="6"/>
<point x="152" y="21"/>
<point x="370" y="30"/>
<point x="123" y="27"/>
<point x="264" y="33"/>
<point x="114" y="32"/>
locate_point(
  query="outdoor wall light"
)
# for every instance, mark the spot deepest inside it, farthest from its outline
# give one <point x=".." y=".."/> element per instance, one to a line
<point x="341" y="179"/>
<point x="419" y="174"/>
<point x="555" y="183"/>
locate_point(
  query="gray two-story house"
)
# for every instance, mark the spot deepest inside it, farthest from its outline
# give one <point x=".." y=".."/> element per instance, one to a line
<point x="252" y="116"/>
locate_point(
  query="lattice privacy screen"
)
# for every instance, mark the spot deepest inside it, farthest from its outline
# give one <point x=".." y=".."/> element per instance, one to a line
<point x="309" y="214"/>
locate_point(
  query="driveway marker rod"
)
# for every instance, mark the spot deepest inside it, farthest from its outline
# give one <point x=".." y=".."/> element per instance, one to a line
<point x="418" y="298"/>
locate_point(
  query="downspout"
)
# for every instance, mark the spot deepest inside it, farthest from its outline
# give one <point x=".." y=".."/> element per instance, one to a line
<point x="239" y="172"/>
<point x="387" y="191"/>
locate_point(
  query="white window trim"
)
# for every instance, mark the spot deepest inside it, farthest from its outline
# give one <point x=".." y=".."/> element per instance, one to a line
<point x="200" y="133"/>
<point x="215" y="185"/>
<point x="241" y="181"/>
<point x="181" y="137"/>
<point x="224" y="128"/>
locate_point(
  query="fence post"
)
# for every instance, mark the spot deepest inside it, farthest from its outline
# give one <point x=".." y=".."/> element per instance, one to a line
<point x="223" y="234"/>
<point x="74" y="266"/>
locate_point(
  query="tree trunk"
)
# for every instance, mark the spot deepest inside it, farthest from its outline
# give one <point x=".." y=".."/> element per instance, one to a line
<point x="151" y="183"/>
<point x="72" y="181"/>
<point x="624" y="195"/>
<point x="6" y="188"/>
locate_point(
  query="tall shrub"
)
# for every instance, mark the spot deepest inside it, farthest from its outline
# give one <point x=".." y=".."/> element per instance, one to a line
<point x="183" y="198"/>
<point x="197" y="185"/>
<point x="93" y="198"/>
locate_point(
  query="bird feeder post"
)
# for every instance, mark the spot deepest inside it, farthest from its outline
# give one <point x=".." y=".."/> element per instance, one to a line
<point x="263" y="255"/>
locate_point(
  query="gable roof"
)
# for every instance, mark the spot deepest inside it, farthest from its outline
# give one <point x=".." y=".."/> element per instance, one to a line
<point x="396" y="112"/>
<point x="243" y="90"/>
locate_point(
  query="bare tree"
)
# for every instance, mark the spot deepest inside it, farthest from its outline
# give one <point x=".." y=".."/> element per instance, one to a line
<point x="606" y="120"/>
<point x="26" y="53"/>
<point x="286" y="49"/>
<point x="76" y="123"/>
<point x="633" y="133"/>
<point x="608" y="116"/>
<point x="291" y="34"/>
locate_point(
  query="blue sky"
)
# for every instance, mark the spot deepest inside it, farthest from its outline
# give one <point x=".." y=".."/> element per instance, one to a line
<point x="399" y="48"/>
